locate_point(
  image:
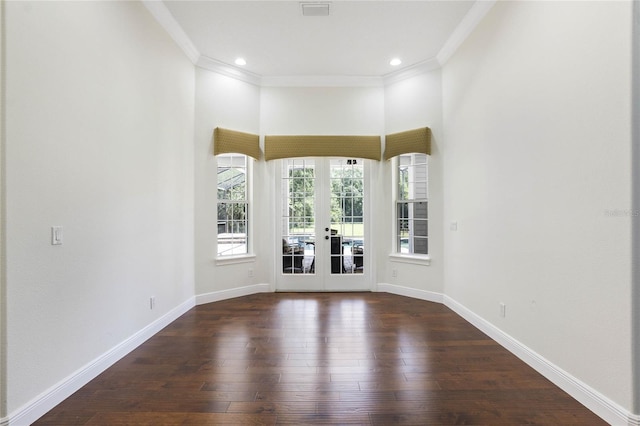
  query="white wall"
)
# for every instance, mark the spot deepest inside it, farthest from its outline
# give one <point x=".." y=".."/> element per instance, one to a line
<point x="537" y="175"/>
<point x="322" y="111"/>
<point x="232" y="104"/>
<point x="99" y="122"/>
<point x="410" y="104"/>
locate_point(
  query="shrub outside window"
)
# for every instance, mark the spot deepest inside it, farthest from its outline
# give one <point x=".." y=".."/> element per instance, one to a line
<point x="412" y="205"/>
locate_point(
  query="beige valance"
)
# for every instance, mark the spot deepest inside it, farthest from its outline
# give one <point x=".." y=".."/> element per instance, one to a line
<point x="418" y="140"/>
<point x="230" y="141"/>
<point x="322" y="146"/>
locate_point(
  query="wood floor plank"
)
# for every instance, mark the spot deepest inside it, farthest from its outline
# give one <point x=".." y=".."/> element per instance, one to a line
<point x="279" y="396"/>
<point x="462" y="417"/>
<point x="323" y="418"/>
<point x="170" y="419"/>
<point x="258" y="407"/>
<point x="320" y="358"/>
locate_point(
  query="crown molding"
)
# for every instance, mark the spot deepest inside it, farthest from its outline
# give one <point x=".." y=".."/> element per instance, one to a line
<point x="411" y="71"/>
<point x="470" y="21"/>
<point x="167" y="21"/>
<point x="228" y="70"/>
<point x="322" y="81"/>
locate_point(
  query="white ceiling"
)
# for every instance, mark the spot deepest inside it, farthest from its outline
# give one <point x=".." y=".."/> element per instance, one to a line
<point x="358" y="38"/>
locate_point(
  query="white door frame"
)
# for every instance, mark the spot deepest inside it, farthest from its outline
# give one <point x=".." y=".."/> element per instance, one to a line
<point x="322" y="279"/>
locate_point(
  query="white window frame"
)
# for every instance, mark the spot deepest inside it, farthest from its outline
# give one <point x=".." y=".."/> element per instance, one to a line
<point x="396" y="255"/>
<point x="248" y="256"/>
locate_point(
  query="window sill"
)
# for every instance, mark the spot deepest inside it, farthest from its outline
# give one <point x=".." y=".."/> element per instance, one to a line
<point x="415" y="259"/>
<point x="233" y="260"/>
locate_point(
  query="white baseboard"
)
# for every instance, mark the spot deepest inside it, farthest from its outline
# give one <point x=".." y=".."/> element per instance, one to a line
<point x="586" y="395"/>
<point x="217" y="296"/>
<point x="589" y="397"/>
<point x="40" y="405"/>
<point x="429" y="296"/>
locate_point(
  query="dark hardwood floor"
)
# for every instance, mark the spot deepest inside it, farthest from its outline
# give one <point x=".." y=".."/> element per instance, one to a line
<point x="320" y="358"/>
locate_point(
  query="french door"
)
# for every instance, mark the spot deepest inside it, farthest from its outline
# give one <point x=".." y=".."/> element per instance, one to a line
<point x="323" y="207"/>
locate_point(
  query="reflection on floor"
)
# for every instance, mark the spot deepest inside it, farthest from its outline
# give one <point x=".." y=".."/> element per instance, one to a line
<point x="320" y="358"/>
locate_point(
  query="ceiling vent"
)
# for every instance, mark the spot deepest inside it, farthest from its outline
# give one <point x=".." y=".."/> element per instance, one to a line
<point x="315" y="9"/>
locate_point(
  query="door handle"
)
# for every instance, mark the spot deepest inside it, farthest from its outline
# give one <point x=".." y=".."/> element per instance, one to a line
<point x="326" y="237"/>
<point x="326" y="229"/>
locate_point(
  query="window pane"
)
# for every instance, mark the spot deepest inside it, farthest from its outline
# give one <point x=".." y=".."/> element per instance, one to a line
<point x="347" y="189"/>
<point x="298" y="228"/>
<point x="232" y="204"/>
<point x="402" y="210"/>
<point x="232" y="229"/>
<point x="419" y="190"/>
<point x="419" y="210"/>
<point x="420" y="246"/>
<point x="403" y="183"/>
<point x="411" y="204"/>
<point x="420" y="159"/>
<point x="420" y="228"/>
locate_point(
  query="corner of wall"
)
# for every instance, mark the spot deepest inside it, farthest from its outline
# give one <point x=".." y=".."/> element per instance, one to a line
<point x="635" y="200"/>
<point x="426" y="295"/>
<point x="3" y="280"/>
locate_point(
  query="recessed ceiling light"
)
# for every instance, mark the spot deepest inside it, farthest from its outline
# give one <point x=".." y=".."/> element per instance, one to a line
<point x="241" y="62"/>
<point x="395" y="62"/>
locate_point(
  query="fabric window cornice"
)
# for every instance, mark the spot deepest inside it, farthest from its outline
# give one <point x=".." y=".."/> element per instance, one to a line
<point x="418" y="140"/>
<point x="230" y="141"/>
<point x="276" y="147"/>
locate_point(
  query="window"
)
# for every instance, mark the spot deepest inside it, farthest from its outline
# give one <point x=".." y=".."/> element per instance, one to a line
<point x="411" y="205"/>
<point x="233" y="205"/>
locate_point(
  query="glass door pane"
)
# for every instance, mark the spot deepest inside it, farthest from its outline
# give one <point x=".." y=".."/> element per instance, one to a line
<point x="347" y="216"/>
<point x="298" y="216"/>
